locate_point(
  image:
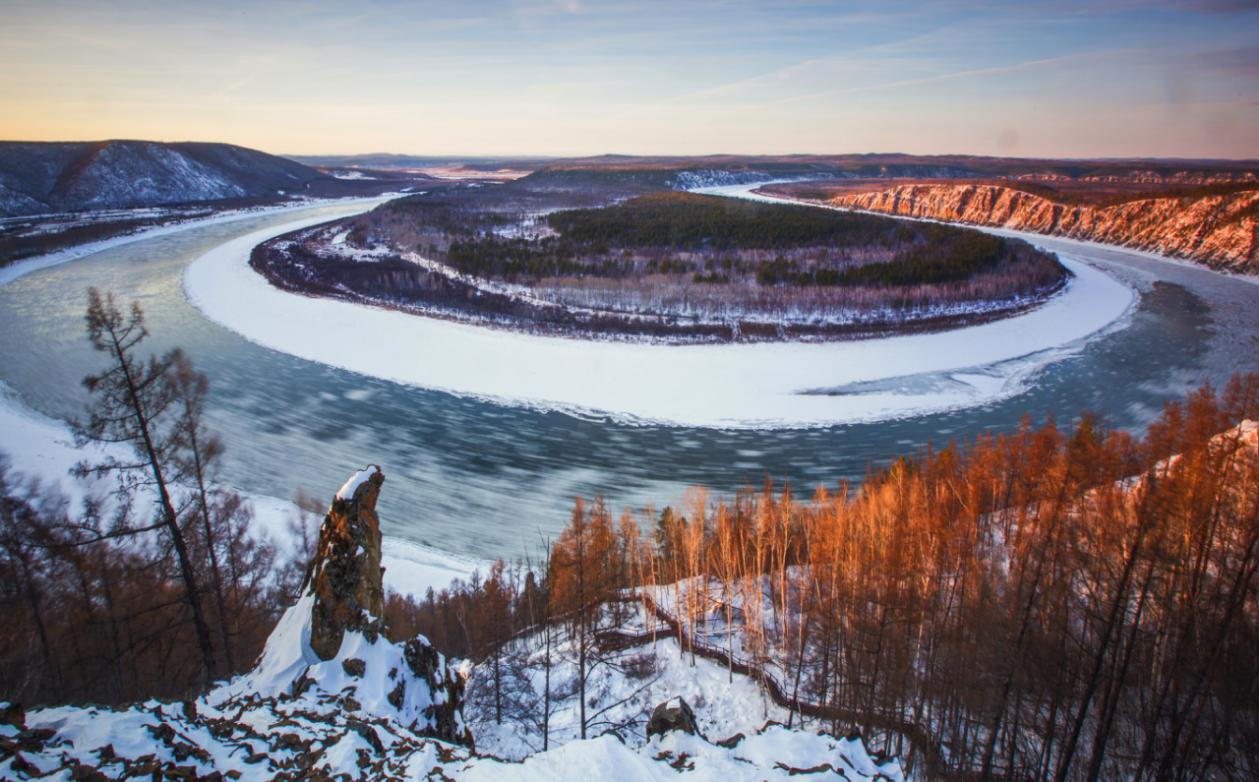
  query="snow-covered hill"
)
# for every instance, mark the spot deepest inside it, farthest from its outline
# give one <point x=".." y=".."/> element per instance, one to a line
<point x="637" y="665"/>
<point x="693" y="179"/>
<point x="56" y="177"/>
<point x="332" y="697"/>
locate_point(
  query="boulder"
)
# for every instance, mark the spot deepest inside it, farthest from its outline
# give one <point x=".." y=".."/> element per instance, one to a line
<point x="673" y="714"/>
<point x="444" y="714"/>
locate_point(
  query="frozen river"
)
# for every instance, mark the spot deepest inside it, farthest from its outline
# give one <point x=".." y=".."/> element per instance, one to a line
<point x="488" y="478"/>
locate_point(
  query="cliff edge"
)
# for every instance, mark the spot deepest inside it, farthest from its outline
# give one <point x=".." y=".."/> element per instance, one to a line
<point x="1220" y="231"/>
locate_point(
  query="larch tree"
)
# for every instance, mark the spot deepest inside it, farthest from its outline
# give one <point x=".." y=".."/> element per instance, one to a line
<point x="580" y="584"/>
<point x="197" y="450"/>
<point x="133" y="403"/>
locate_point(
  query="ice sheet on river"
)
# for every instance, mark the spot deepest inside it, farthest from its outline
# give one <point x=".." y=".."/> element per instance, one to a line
<point x="37" y="447"/>
<point x="734" y="386"/>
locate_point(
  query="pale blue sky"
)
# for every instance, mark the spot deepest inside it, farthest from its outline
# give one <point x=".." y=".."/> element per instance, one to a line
<point x="582" y="77"/>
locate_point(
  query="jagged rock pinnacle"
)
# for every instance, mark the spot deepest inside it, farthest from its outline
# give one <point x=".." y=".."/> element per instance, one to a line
<point x="346" y="584"/>
<point x="346" y="576"/>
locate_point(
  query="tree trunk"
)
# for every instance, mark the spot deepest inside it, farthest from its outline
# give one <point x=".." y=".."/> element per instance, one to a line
<point x="169" y="517"/>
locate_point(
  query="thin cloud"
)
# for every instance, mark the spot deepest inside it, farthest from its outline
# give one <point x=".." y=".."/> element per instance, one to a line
<point x="998" y="70"/>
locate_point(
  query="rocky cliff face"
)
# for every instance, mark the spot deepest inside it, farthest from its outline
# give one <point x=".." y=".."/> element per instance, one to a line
<point x="1221" y="231"/>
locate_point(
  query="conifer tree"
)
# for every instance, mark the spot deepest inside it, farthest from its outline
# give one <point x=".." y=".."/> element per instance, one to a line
<point x="133" y="404"/>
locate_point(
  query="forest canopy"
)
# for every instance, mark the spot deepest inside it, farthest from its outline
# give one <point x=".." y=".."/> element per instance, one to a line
<point x="596" y="241"/>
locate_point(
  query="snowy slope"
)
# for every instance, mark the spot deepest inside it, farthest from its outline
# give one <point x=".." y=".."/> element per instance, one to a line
<point x="296" y="716"/>
<point x="368" y="708"/>
<point x="621" y="690"/>
<point x="53" y="177"/>
<point x="715" y="177"/>
<point x="364" y="712"/>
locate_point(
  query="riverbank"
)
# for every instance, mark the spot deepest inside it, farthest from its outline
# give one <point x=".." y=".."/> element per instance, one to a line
<point x="25" y="266"/>
<point x="1210" y="225"/>
<point x="1048" y="241"/>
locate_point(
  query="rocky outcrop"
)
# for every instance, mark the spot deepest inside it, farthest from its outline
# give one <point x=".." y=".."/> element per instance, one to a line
<point x="345" y="588"/>
<point x="346" y="578"/>
<point x="443" y="686"/>
<point x="330" y="697"/>
<point x="1221" y="231"/>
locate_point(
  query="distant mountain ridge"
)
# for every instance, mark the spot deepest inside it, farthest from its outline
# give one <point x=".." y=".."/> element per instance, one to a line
<point x="41" y="177"/>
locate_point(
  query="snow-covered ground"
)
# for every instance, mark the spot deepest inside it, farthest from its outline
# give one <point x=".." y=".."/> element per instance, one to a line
<point x="724" y="386"/>
<point x="773" y="754"/>
<point x="364" y="715"/>
<point x="622" y="688"/>
<point x="624" y="684"/>
<point x="42" y="448"/>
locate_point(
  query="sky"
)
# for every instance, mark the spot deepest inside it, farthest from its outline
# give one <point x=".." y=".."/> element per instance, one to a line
<point x="576" y="77"/>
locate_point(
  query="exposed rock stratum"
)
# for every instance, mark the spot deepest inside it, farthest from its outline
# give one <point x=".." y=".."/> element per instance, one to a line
<point x="1220" y="231"/>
